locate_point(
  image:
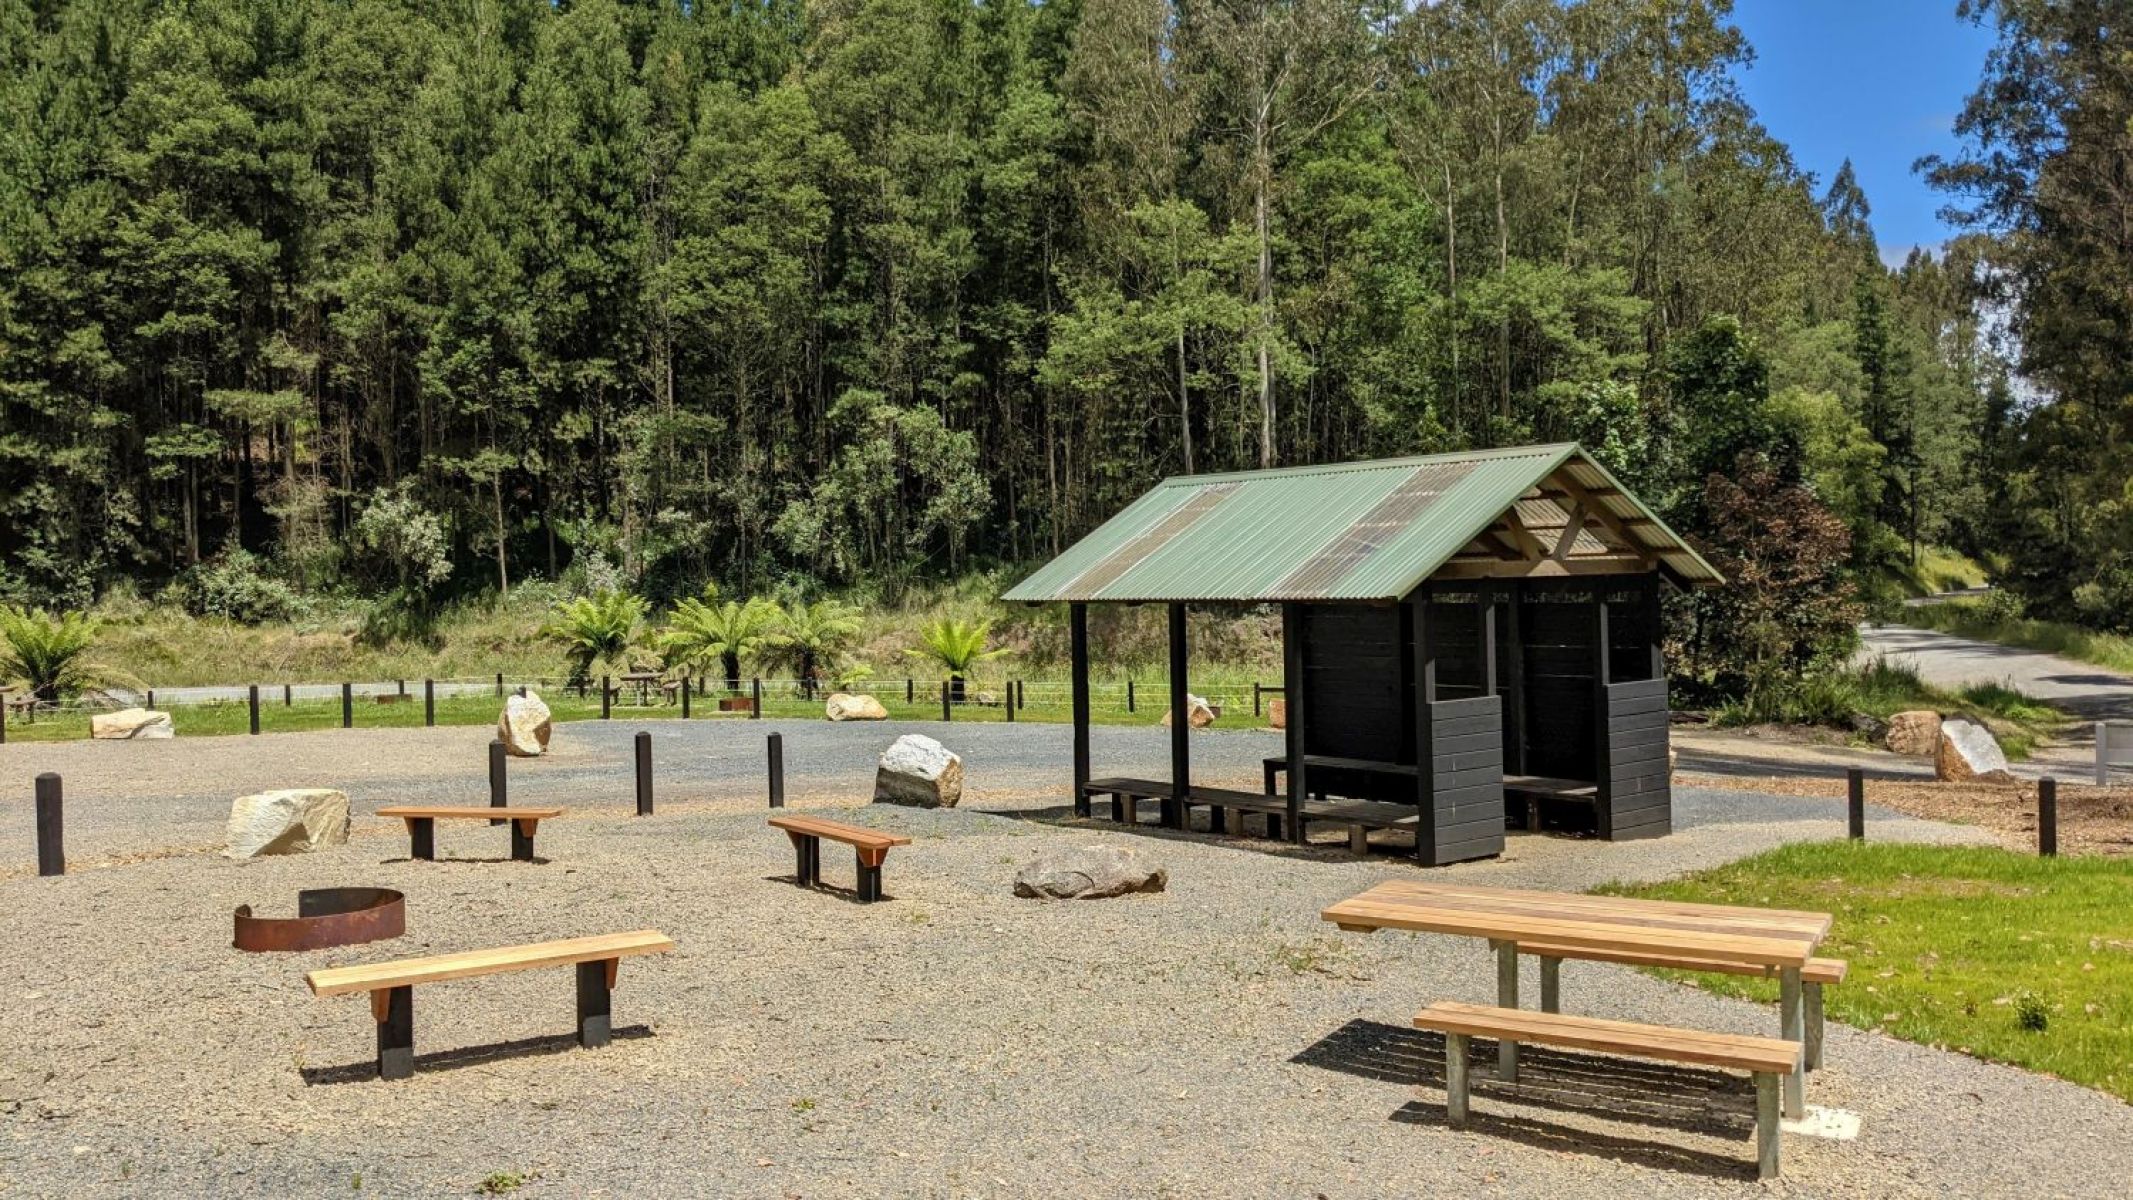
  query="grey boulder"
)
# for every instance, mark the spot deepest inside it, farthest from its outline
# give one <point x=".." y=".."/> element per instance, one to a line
<point x="1090" y="873"/>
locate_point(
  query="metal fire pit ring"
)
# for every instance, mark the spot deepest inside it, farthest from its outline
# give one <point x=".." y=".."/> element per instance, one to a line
<point x="344" y="916"/>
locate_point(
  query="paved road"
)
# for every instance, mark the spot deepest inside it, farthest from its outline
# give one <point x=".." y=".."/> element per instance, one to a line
<point x="1945" y="660"/>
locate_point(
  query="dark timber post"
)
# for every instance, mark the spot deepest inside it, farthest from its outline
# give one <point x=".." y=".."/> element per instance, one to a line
<point x="288" y="695"/>
<point x="685" y="697"/>
<point x="51" y="850"/>
<point x="403" y="686"/>
<point x="1078" y="656"/>
<point x="499" y="685"/>
<point x="777" y="770"/>
<point x="1255" y="697"/>
<point x="644" y="773"/>
<point x="1514" y="685"/>
<point x="1180" y="726"/>
<point x="946" y="713"/>
<point x="1129" y="695"/>
<point x="1010" y="701"/>
<point x="3" y="714"/>
<point x="1425" y="684"/>
<point x="252" y="699"/>
<point x="607" y="698"/>
<point x="1655" y="627"/>
<point x="429" y="702"/>
<point x="1294" y="691"/>
<point x="2048" y="817"/>
<point x="755" y="703"/>
<point x="910" y="690"/>
<point x="594" y="1001"/>
<point x="498" y="796"/>
<point x="1602" y="672"/>
<point x="1855" y="804"/>
<point x="348" y="706"/>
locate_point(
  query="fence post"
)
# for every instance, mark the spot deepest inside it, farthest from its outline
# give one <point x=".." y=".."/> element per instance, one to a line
<point x="2048" y="817"/>
<point x="499" y="685"/>
<point x="910" y="690"/>
<point x="1129" y="695"/>
<point x="151" y="697"/>
<point x="3" y="716"/>
<point x="403" y="686"/>
<point x="2103" y="753"/>
<point x="499" y="795"/>
<point x="755" y="703"/>
<point x="1255" y="697"/>
<point x="1855" y="803"/>
<point x="51" y="850"/>
<point x="429" y="703"/>
<point x="947" y="713"/>
<point x="685" y="697"/>
<point x="777" y="770"/>
<point x="348" y="706"/>
<point x="607" y="699"/>
<point x="644" y="773"/>
<point x="252" y="701"/>
<point x="288" y="696"/>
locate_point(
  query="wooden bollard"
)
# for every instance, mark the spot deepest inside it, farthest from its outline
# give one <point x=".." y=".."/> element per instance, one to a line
<point x="644" y="773"/>
<point x="910" y="690"/>
<point x="348" y="706"/>
<point x="3" y="716"/>
<point x="685" y="697"/>
<point x="1255" y="697"/>
<point x="288" y="696"/>
<point x="1855" y="803"/>
<point x="947" y="712"/>
<point x="51" y="849"/>
<point x="429" y="703"/>
<point x="776" y="749"/>
<point x="755" y="702"/>
<point x="499" y="796"/>
<point x="1010" y="701"/>
<point x="607" y="699"/>
<point x="403" y="687"/>
<point x="1129" y="695"/>
<point x="252" y="700"/>
<point x="500" y="686"/>
<point x="2048" y="817"/>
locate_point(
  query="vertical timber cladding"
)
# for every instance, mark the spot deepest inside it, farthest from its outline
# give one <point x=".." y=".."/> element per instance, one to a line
<point x="1354" y="688"/>
<point x="1555" y="620"/>
<point x="1462" y="729"/>
<point x="1636" y="795"/>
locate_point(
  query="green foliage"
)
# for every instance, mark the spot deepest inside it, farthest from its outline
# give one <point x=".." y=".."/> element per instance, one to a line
<point x="956" y="645"/>
<point x="701" y="633"/>
<point x="49" y="653"/>
<point x="811" y="638"/>
<point x="2008" y="957"/>
<point x="596" y="629"/>
<point x="235" y="585"/>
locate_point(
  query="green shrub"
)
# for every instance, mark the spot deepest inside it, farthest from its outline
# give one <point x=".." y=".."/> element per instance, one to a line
<point x="235" y="585"/>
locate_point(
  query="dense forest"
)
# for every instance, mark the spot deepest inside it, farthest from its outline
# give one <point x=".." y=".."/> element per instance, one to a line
<point x="416" y="299"/>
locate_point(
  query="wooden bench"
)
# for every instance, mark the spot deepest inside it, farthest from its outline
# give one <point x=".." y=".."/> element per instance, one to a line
<point x="392" y="985"/>
<point x="1768" y="1059"/>
<point x="872" y="846"/>
<point x="1813" y="976"/>
<point x="422" y="825"/>
<point x="1532" y="789"/>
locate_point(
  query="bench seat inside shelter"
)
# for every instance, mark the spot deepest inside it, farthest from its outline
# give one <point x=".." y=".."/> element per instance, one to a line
<point x="1769" y="1060"/>
<point x="392" y="984"/>
<point x="872" y="847"/>
<point x="422" y="825"/>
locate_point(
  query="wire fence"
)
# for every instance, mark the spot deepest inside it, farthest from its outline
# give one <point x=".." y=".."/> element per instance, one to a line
<point x="466" y="700"/>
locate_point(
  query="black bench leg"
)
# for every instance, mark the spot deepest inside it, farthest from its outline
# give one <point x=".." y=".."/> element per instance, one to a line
<point x="521" y="843"/>
<point x="869" y="879"/>
<point x="1118" y="808"/>
<point x="593" y="1003"/>
<point x="422" y="838"/>
<point x="1273" y="826"/>
<point x="807" y="858"/>
<point x="396" y="1035"/>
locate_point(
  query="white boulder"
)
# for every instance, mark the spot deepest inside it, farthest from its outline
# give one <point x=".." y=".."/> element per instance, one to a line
<point x="1199" y="714"/>
<point x="843" y="706"/>
<point x="1968" y="753"/>
<point x="289" y="821"/>
<point x="915" y="769"/>
<point x="525" y="726"/>
<point x="131" y="724"/>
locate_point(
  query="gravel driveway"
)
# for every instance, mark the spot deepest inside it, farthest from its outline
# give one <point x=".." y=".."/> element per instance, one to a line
<point x="1215" y="1040"/>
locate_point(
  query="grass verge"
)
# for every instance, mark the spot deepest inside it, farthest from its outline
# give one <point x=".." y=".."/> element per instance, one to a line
<point x="2003" y="956"/>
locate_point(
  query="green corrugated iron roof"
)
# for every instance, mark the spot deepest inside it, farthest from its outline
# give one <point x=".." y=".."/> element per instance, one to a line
<point x="1365" y="531"/>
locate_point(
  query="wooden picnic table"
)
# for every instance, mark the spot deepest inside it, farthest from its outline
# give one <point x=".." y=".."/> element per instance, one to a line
<point x="1781" y="939"/>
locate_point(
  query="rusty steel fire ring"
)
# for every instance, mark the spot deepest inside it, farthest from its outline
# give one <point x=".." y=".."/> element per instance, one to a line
<point x="344" y="916"/>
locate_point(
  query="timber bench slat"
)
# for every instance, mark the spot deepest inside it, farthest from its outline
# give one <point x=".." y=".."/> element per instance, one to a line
<point x="871" y="845"/>
<point x="422" y="825"/>
<point x="1769" y="1060"/>
<point x="392" y="984"/>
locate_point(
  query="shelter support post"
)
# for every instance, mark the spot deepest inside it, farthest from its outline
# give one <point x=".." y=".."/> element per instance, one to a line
<point x="1078" y="637"/>
<point x="1296" y="693"/>
<point x="1425" y="694"/>
<point x="1180" y="724"/>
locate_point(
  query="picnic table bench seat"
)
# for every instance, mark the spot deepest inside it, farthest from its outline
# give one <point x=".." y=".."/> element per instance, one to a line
<point x="1816" y="973"/>
<point x="871" y="845"/>
<point x="392" y="984"/>
<point x="1357" y="817"/>
<point x="422" y="824"/>
<point x="1769" y="1060"/>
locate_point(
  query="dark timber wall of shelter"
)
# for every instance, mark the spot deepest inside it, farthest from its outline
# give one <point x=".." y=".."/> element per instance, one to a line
<point x="1558" y="634"/>
<point x="1461" y="731"/>
<point x="1354" y="680"/>
<point x="1636" y="794"/>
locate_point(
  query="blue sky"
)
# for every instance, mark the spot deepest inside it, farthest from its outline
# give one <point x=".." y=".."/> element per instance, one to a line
<point x="1878" y="81"/>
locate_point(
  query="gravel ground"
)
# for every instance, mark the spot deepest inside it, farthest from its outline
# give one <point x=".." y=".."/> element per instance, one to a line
<point x="1217" y="1039"/>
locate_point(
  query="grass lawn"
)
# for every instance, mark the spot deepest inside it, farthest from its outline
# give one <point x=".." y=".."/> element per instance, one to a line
<point x="1975" y="619"/>
<point x="2004" y="956"/>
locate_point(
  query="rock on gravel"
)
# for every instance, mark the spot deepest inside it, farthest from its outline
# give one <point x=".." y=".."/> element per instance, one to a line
<point x="1914" y="732"/>
<point x="1969" y="752"/>
<point x="131" y="724"/>
<point x="525" y="726"/>
<point x="1089" y="873"/>
<point x="915" y="769"/>
<point x="288" y="821"/>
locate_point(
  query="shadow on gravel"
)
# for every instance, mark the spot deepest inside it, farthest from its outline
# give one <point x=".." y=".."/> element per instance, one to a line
<point x="1621" y="1090"/>
<point x="1062" y="817"/>
<point x="468" y="1056"/>
<point x="848" y="895"/>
